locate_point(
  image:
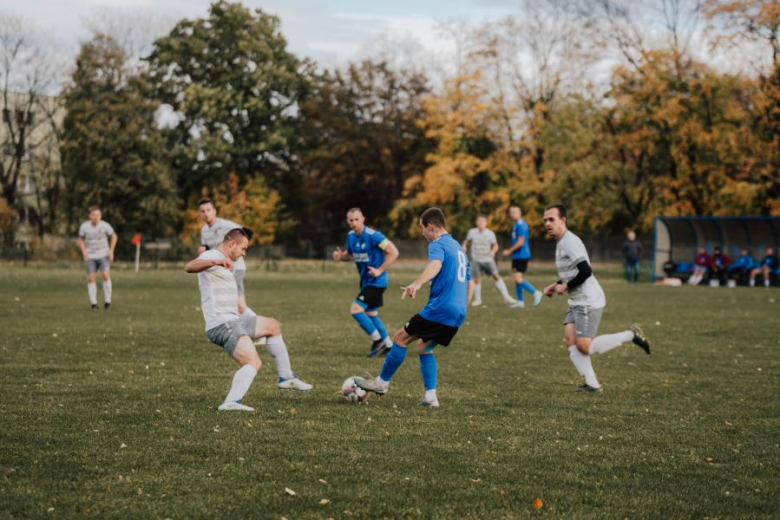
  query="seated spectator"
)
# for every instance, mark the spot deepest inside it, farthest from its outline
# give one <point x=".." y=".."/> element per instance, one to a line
<point x="741" y="268"/>
<point x="719" y="264"/>
<point x="701" y="266"/>
<point x="766" y="268"/>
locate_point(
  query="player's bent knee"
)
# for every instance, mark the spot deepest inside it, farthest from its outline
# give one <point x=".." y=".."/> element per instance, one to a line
<point x="583" y="345"/>
<point x="356" y="309"/>
<point x="401" y="338"/>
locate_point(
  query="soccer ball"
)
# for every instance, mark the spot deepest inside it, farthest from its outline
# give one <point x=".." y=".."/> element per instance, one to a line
<point x="352" y="392"/>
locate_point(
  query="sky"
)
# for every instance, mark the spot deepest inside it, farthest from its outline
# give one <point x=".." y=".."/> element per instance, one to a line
<point x="332" y="32"/>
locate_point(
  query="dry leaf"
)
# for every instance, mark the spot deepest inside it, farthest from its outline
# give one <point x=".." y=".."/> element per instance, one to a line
<point x="290" y="492"/>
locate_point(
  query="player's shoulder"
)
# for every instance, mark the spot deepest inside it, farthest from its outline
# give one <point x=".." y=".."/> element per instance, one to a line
<point x="369" y="231"/>
<point x="351" y="233"/>
<point x="83" y="224"/>
<point x="211" y="254"/>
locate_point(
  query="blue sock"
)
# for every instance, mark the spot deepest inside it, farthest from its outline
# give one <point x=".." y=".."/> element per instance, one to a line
<point x="528" y="286"/>
<point x="519" y="291"/>
<point x="365" y="322"/>
<point x="428" y="370"/>
<point x="393" y="360"/>
<point x="379" y="326"/>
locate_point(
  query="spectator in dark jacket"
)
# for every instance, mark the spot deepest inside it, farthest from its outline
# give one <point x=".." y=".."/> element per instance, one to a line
<point x="701" y="266"/>
<point x="719" y="265"/>
<point x="632" y="252"/>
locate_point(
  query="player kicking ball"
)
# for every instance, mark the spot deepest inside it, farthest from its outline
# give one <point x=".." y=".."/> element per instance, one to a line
<point x="451" y="288"/>
<point x="233" y="331"/>
<point x="586" y="301"/>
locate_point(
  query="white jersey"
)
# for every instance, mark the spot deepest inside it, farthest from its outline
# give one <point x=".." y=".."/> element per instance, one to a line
<point x="481" y="244"/>
<point x="213" y="235"/>
<point x="218" y="292"/>
<point x="569" y="252"/>
<point x="96" y="238"/>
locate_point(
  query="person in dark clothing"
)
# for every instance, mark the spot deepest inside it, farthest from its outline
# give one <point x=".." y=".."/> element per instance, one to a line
<point x="719" y="265"/>
<point x="632" y="252"/>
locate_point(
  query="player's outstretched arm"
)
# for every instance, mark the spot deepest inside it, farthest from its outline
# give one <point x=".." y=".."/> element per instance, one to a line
<point x="198" y="265"/>
<point x="341" y="256"/>
<point x="517" y="245"/>
<point x="391" y="255"/>
<point x="428" y="274"/>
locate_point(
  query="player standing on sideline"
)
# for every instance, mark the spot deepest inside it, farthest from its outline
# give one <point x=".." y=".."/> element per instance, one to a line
<point x="483" y="251"/>
<point x="373" y="254"/>
<point x="586" y="301"/>
<point x="234" y="332"/>
<point x="211" y="236"/>
<point x="98" y="254"/>
<point x="451" y="288"/>
<point x="521" y="255"/>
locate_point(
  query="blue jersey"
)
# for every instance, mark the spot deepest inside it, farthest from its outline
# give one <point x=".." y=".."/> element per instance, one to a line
<point x="743" y="262"/>
<point x="366" y="252"/>
<point x="769" y="261"/>
<point x="520" y="229"/>
<point x="449" y="288"/>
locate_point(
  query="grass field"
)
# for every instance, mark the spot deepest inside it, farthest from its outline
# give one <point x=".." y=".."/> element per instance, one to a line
<point x="113" y="414"/>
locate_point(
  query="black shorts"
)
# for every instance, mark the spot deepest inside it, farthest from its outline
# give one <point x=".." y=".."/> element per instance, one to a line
<point x="371" y="296"/>
<point x="520" y="265"/>
<point x="430" y="330"/>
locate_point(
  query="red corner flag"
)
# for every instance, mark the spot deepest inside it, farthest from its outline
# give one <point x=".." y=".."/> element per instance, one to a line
<point x="136" y="239"/>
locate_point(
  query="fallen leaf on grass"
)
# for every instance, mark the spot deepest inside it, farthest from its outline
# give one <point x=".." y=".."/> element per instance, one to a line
<point x="476" y="480"/>
<point x="123" y="446"/>
<point x="322" y="481"/>
<point x="324" y="502"/>
<point x="290" y="492"/>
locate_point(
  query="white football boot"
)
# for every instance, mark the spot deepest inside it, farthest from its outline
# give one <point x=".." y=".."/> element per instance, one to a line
<point x="293" y="383"/>
<point x="233" y="406"/>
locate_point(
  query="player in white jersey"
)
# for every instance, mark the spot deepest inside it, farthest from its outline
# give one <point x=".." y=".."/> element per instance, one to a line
<point x="211" y="235"/>
<point x="97" y="241"/>
<point x="233" y="331"/>
<point x="483" y="245"/>
<point x="586" y="301"/>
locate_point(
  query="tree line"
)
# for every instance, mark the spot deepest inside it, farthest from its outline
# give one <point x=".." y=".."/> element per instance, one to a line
<point x="568" y="102"/>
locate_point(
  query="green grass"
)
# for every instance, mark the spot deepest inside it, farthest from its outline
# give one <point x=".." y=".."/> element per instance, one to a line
<point x="113" y="415"/>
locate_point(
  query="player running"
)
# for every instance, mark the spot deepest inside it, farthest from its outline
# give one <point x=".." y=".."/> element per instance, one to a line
<point x="451" y="288"/>
<point x="98" y="254"/>
<point x="373" y="254"/>
<point x="586" y="301"/>
<point x="483" y="251"/>
<point x="212" y="235"/>
<point x="234" y="332"/>
<point x="521" y="255"/>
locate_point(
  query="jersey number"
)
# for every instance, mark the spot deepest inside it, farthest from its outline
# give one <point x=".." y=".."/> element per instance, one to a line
<point x="462" y="266"/>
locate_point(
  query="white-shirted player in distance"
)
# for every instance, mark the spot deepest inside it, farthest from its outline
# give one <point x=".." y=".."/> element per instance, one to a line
<point x="98" y="253"/>
<point x="483" y="245"/>
<point x="232" y="331"/>
<point x="211" y="235"/>
<point x="586" y="301"/>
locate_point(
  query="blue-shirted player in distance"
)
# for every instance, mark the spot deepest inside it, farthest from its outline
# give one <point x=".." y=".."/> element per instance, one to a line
<point x="373" y="254"/>
<point x="451" y="287"/>
<point x="521" y="255"/>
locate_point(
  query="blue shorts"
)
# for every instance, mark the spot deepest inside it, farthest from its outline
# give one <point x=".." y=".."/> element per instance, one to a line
<point x="98" y="264"/>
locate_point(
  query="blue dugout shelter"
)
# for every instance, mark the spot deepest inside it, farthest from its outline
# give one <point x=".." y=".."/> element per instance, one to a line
<point x="677" y="238"/>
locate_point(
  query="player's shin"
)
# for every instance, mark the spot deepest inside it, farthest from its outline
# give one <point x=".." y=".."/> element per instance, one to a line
<point x="393" y="360"/>
<point x="92" y="292"/>
<point x="429" y="369"/>
<point x="528" y="286"/>
<point x="501" y="286"/>
<point x="107" y="291"/>
<point x="242" y="380"/>
<point x="367" y="325"/>
<point x="379" y="325"/>
<point x="278" y="350"/>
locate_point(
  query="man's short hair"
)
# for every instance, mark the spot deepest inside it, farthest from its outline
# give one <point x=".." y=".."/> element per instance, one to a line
<point x="561" y="209"/>
<point x="433" y="216"/>
<point x="207" y="200"/>
<point x="481" y="216"/>
<point x="94" y="208"/>
<point x="234" y="234"/>
<point x="354" y="210"/>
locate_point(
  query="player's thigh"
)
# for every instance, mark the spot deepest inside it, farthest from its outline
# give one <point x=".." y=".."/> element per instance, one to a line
<point x="425" y="346"/>
<point x="570" y="334"/>
<point x="403" y="338"/>
<point x="265" y="327"/>
<point x="583" y="344"/>
<point x="106" y="275"/>
<point x="517" y="277"/>
<point x="245" y="352"/>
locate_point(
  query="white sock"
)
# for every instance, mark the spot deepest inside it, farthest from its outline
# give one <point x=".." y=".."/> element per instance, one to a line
<point x="107" y="291"/>
<point x="501" y="286"/>
<point x="388" y="342"/>
<point x="752" y="282"/>
<point x="766" y="282"/>
<point x="430" y="395"/>
<point x="576" y="360"/>
<point x="585" y="367"/>
<point x="379" y="378"/>
<point x="92" y="292"/>
<point x="478" y="292"/>
<point x="241" y="382"/>
<point x="278" y="350"/>
<point x="375" y="336"/>
<point x="607" y="342"/>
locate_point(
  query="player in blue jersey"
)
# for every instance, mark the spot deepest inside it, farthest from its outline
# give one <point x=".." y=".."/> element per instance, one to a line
<point x="373" y="254"/>
<point x="520" y="252"/>
<point x="765" y="268"/>
<point x="451" y="287"/>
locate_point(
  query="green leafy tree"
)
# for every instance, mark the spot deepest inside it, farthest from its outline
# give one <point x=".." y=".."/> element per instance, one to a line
<point x="236" y="90"/>
<point x="112" y="153"/>
<point x="362" y="140"/>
